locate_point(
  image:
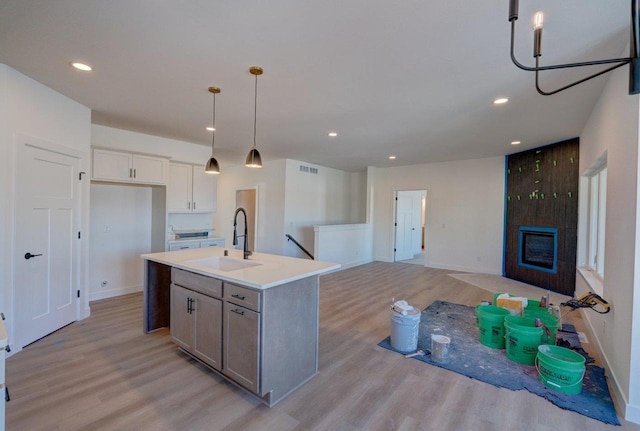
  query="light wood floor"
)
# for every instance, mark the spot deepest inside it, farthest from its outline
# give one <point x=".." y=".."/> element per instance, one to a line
<point x="103" y="373"/>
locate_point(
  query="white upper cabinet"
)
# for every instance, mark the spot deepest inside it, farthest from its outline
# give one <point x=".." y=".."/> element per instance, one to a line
<point x="126" y="167"/>
<point x="190" y="189"/>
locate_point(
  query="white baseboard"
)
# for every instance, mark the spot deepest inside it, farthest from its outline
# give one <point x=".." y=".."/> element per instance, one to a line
<point x="631" y="412"/>
<point x="383" y="259"/>
<point x="355" y="263"/>
<point x="464" y="268"/>
<point x="110" y="293"/>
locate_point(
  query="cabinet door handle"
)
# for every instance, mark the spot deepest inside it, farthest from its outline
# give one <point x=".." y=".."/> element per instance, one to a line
<point x="134" y="173"/>
<point x="194" y="204"/>
<point x="189" y="309"/>
<point x="130" y="173"/>
<point x="237" y="311"/>
<point x="188" y="205"/>
<point x="240" y="297"/>
<point x="7" y="398"/>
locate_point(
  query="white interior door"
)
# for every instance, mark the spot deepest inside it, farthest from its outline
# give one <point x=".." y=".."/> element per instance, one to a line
<point x="47" y="204"/>
<point x="416" y="223"/>
<point x="404" y="225"/>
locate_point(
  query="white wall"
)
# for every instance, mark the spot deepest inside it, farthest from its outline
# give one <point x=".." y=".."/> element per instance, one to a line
<point x="322" y="198"/>
<point x="29" y="108"/>
<point x="358" y="197"/>
<point x="118" y="238"/>
<point x="135" y="213"/>
<point x="465" y="212"/>
<point x="348" y="244"/>
<point x="289" y="201"/>
<point x="269" y="183"/>
<point x="613" y="127"/>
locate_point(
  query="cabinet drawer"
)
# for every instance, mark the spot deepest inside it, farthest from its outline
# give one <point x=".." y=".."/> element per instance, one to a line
<point x="212" y="243"/>
<point x="242" y="296"/>
<point x="199" y="283"/>
<point x="183" y="245"/>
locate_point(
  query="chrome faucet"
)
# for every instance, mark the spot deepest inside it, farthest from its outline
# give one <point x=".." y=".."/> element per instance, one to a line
<point x="246" y="252"/>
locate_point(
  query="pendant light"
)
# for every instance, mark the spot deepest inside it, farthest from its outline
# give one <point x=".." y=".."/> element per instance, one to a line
<point x="212" y="165"/>
<point x="253" y="158"/>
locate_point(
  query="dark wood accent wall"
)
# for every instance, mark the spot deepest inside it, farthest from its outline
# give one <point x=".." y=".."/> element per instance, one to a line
<point x="157" y="296"/>
<point x="542" y="190"/>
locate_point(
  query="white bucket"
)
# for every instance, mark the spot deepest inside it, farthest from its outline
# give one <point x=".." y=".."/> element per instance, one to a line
<point x="440" y="348"/>
<point x="404" y="330"/>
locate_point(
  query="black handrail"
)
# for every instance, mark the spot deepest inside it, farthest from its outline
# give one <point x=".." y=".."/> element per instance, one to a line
<point x="290" y="238"/>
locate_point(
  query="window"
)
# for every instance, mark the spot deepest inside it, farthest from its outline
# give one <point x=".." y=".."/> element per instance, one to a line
<point x="597" y="204"/>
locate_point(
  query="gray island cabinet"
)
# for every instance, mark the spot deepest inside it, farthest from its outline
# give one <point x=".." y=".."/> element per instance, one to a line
<point x="255" y="322"/>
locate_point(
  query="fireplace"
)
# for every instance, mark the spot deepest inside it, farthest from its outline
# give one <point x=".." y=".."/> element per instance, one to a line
<point x="538" y="248"/>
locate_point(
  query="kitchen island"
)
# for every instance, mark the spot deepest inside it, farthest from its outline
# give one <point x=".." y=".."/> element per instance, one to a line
<point x="254" y="321"/>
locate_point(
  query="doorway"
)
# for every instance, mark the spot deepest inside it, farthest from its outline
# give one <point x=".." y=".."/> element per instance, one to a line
<point x="410" y="226"/>
<point x="247" y="199"/>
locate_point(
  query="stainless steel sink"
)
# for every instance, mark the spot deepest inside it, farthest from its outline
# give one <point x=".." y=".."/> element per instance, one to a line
<point x="224" y="263"/>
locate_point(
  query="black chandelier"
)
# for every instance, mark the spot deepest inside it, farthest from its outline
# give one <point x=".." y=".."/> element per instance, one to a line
<point x="633" y="60"/>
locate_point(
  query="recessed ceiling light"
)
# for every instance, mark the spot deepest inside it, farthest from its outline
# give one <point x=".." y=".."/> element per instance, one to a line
<point x="515" y="143"/>
<point x="82" y="66"/>
<point x="392" y="157"/>
<point x="500" y="101"/>
<point x="333" y="134"/>
<point x="211" y="129"/>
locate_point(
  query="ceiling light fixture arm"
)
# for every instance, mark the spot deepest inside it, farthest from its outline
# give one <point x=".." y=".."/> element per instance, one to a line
<point x="537" y="68"/>
<point x="549" y="93"/>
<point x="633" y="60"/>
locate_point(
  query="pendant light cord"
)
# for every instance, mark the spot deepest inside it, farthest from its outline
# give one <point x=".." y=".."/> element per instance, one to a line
<point x="213" y="132"/>
<point x="255" y="111"/>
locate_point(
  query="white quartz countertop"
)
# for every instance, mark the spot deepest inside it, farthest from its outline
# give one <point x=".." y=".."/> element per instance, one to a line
<point x="271" y="270"/>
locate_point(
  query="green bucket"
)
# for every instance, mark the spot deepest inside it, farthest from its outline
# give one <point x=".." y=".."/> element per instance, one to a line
<point x="522" y="339"/>
<point x="534" y="309"/>
<point x="490" y="321"/>
<point x="560" y="369"/>
<point x="551" y="324"/>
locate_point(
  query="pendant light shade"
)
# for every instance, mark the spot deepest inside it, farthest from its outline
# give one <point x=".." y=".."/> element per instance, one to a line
<point x="212" y="164"/>
<point x="253" y="158"/>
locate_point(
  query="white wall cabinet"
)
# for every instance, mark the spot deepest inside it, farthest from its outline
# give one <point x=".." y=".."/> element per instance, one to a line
<point x="109" y="165"/>
<point x="190" y="189"/>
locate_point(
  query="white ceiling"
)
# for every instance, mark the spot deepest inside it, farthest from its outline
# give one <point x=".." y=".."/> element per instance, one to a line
<point x="410" y="78"/>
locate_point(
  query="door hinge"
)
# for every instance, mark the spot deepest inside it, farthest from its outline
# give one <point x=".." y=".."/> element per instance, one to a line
<point x="80" y="175"/>
<point x="78" y="234"/>
<point x="78" y="293"/>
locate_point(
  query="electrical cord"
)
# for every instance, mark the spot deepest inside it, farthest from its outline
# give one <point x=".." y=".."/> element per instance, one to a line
<point x="589" y="300"/>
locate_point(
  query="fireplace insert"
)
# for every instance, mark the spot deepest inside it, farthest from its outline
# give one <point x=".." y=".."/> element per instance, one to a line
<point x="538" y="248"/>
